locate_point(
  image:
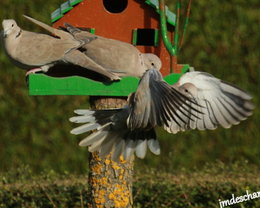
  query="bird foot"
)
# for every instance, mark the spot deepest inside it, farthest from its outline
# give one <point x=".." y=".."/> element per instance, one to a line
<point x="33" y="71"/>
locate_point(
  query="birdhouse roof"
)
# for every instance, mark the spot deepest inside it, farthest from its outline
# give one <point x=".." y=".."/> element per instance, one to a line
<point x="68" y="5"/>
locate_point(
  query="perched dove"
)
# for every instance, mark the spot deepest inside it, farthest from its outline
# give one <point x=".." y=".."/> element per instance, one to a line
<point x="197" y="101"/>
<point x="123" y="59"/>
<point x="29" y="49"/>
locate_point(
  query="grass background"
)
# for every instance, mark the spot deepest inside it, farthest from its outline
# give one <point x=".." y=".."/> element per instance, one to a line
<point x="198" y="188"/>
<point x="222" y="38"/>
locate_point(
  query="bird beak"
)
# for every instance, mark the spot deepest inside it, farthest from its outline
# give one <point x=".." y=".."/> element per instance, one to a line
<point x="4" y="33"/>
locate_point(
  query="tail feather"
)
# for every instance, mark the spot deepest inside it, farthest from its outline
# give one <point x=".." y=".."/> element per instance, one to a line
<point x="129" y="148"/>
<point x="141" y="148"/>
<point x="95" y="136"/>
<point x="118" y="149"/>
<point x="96" y="146"/>
<point x="85" y="128"/>
<point x="71" y="28"/>
<point x="107" y="145"/>
<point x="111" y="134"/>
<point x="84" y="112"/>
<point x="82" y="119"/>
<point x="154" y="146"/>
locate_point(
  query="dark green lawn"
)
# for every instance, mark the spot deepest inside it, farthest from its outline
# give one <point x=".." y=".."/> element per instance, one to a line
<point x="198" y="188"/>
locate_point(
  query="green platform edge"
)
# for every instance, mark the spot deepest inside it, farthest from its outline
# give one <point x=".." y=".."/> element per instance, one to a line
<point x="40" y="84"/>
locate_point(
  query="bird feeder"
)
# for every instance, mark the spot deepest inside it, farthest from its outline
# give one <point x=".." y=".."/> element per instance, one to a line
<point x="147" y="25"/>
<point x="133" y="21"/>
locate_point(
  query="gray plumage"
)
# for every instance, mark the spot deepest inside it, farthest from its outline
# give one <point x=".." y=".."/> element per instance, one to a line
<point x="222" y="103"/>
<point x="112" y="133"/>
<point x="29" y="49"/>
<point x="123" y="59"/>
<point x="197" y="101"/>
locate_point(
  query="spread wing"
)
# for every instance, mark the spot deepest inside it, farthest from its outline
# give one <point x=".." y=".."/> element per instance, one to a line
<point x="220" y="102"/>
<point x="157" y="103"/>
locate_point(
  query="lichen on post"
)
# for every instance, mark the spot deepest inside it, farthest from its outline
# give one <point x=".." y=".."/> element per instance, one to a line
<point x="110" y="182"/>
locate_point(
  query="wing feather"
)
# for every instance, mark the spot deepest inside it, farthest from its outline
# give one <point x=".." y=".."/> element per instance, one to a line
<point x="155" y="103"/>
<point x="219" y="102"/>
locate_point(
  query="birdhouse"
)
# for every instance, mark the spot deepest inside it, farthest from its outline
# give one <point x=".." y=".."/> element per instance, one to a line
<point x="133" y="21"/>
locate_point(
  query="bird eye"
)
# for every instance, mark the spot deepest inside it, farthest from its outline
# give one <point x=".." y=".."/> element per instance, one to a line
<point x="152" y="64"/>
<point x="12" y="25"/>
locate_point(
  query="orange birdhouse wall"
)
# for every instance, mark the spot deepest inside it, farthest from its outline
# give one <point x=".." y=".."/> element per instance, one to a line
<point x="131" y="21"/>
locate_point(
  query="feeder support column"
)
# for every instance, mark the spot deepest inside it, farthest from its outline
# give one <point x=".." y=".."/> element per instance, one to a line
<point x="110" y="183"/>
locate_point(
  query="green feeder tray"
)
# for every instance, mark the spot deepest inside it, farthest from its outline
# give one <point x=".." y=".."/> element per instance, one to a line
<point x="40" y="84"/>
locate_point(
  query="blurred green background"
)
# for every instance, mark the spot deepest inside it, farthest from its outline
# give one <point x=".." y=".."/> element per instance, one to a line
<point x="223" y="38"/>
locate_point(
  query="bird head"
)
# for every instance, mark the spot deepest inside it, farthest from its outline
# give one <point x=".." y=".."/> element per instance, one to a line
<point x="188" y="89"/>
<point x="151" y="61"/>
<point x="10" y="27"/>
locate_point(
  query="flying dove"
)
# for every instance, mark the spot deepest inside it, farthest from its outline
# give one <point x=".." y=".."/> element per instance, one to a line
<point x="123" y="59"/>
<point x="30" y="49"/>
<point x="197" y="101"/>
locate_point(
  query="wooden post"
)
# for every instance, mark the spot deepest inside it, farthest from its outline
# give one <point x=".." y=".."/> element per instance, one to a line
<point x="110" y="183"/>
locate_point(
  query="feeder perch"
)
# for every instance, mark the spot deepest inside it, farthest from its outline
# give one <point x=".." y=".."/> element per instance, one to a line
<point x="137" y="22"/>
<point x="133" y="21"/>
<point x="44" y="85"/>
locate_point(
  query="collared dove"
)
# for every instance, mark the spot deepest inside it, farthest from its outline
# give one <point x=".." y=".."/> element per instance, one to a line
<point x="121" y="58"/>
<point x="29" y="49"/>
<point x="197" y="101"/>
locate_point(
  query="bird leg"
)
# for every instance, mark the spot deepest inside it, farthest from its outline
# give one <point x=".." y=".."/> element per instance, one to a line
<point x="44" y="68"/>
<point x="33" y="71"/>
